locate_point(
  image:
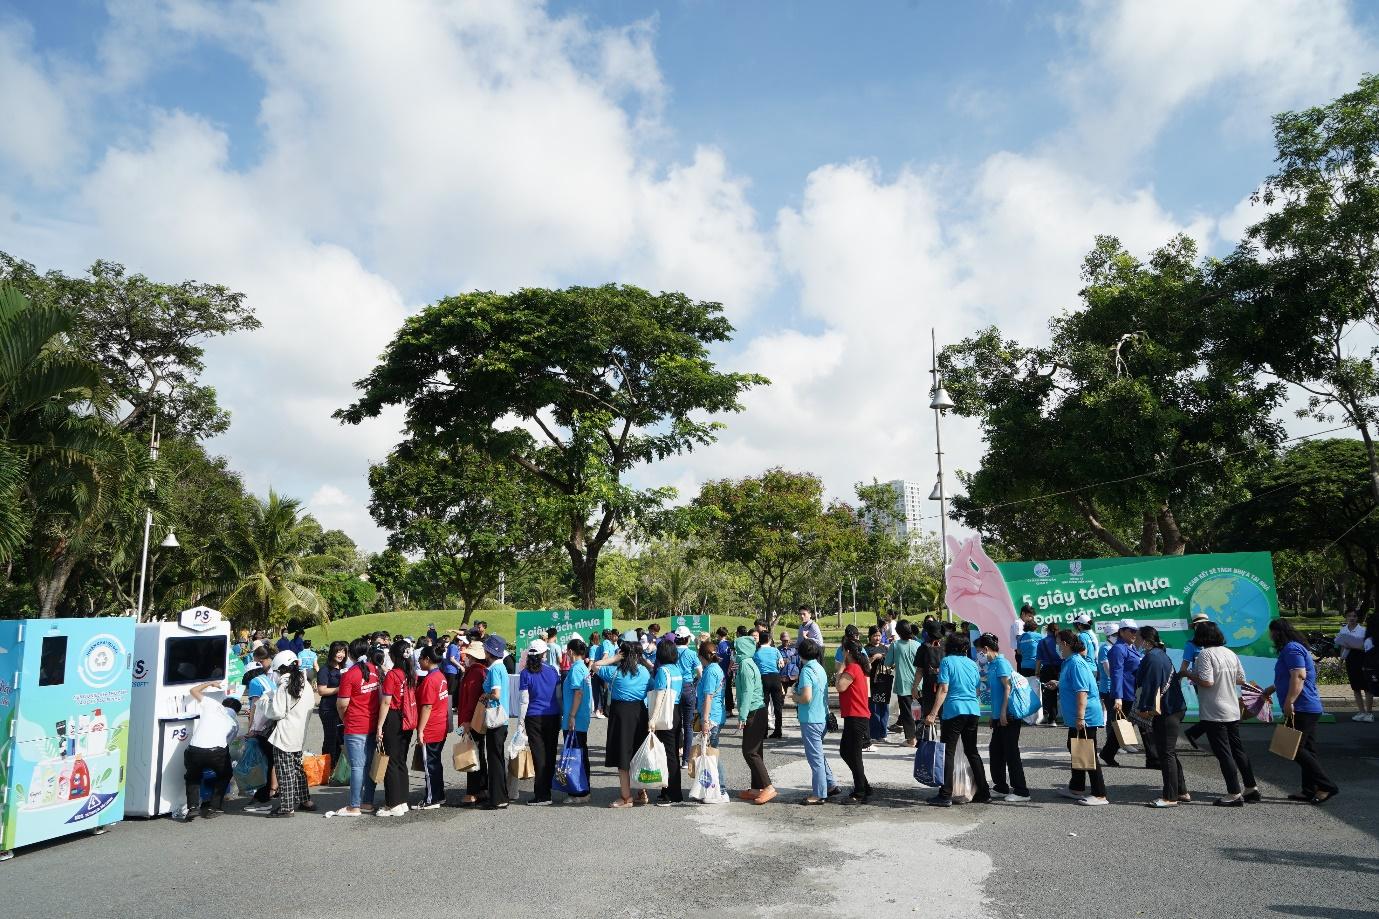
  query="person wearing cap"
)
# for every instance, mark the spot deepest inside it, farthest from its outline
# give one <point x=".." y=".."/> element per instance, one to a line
<point x="496" y="696"/>
<point x="468" y="702"/>
<point x="538" y="700"/>
<point x="1082" y="624"/>
<point x="690" y="671"/>
<point x="1190" y="651"/>
<point x="290" y="709"/>
<point x="577" y="704"/>
<point x="260" y="694"/>
<point x="627" y="676"/>
<point x="1123" y="661"/>
<point x="1082" y="713"/>
<point x="217" y="723"/>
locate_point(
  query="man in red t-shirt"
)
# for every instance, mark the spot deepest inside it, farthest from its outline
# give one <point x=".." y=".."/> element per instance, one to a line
<point x="433" y="723"/>
<point x="357" y="702"/>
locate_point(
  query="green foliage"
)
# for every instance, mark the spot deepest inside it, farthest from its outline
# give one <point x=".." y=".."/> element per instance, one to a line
<point x="387" y="572"/>
<point x="272" y="578"/>
<point x="345" y="594"/>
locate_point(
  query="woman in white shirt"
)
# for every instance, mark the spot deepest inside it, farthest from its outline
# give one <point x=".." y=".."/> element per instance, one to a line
<point x="1217" y="674"/>
<point x="1351" y="640"/>
<point x="290" y="709"/>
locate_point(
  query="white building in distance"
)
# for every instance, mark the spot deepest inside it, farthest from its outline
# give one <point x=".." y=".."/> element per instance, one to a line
<point x="910" y="501"/>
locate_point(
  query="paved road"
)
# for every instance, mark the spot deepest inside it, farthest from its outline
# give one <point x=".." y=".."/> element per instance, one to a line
<point x="896" y="857"/>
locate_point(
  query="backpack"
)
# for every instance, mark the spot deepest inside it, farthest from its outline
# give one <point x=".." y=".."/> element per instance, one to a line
<point x="409" y="707"/>
<point x="1023" y="702"/>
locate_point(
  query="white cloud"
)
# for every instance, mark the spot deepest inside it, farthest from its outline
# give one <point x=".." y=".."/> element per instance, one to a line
<point x="38" y="136"/>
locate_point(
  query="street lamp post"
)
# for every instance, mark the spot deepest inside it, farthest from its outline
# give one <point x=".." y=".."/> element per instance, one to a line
<point x="169" y="541"/>
<point x="940" y="402"/>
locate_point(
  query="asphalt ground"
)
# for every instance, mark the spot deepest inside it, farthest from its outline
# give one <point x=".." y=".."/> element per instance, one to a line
<point x="894" y="857"/>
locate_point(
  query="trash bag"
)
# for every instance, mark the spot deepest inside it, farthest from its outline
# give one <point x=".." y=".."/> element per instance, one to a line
<point x="929" y="758"/>
<point x="571" y="769"/>
<point x="340" y="775"/>
<point x="707" y="789"/>
<point x="251" y="770"/>
<point x="964" y="783"/>
<point x="649" y="764"/>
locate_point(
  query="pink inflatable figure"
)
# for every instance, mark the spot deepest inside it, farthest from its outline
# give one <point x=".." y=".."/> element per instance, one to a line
<point x="977" y="591"/>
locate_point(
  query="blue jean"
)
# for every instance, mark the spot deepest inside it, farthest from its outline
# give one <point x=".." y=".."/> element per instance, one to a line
<point x="813" y="734"/>
<point x="359" y="749"/>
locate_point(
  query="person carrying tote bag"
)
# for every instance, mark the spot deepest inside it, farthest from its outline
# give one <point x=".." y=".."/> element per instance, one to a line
<point x="667" y="683"/>
<point x="470" y="709"/>
<point x="1161" y="703"/>
<point x="1080" y="709"/>
<point x="1295" y="682"/>
<point x="497" y="703"/>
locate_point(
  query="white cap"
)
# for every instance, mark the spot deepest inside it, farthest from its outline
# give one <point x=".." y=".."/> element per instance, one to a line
<point x="537" y="646"/>
<point x="283" y="659"/>
<point x="1128" y="624"/>
<point x="630" y="636"/>
<point x="1200" y="617"/>
<point x="683" y="632"/>
<point x="1083" y="619"/>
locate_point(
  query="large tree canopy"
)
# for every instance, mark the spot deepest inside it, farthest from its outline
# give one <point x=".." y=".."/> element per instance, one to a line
<point x="575" y="386"/>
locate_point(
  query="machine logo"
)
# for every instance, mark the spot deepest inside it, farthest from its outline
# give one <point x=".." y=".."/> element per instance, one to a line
<point x="100" y="661"/>
<point x="140" y="670"/>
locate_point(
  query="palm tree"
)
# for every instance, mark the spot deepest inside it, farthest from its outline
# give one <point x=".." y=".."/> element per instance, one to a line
<point x="273" y="574"/>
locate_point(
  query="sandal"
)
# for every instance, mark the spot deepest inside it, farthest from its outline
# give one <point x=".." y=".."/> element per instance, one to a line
<point x="622" y="802"/>
<point x="642" y="800"/>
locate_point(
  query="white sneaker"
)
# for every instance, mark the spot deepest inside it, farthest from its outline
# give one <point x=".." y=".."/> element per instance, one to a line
<point x="1094" y="801"/>
<point x="1013" y="798"/>
<point x="1069" y="793"/>
<point x="1358" y="716"/>
<point x="392" y="811"/>
<point x="1369" y="717"/>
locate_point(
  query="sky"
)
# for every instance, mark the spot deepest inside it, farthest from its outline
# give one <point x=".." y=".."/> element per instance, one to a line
<point x="843" y="178"/>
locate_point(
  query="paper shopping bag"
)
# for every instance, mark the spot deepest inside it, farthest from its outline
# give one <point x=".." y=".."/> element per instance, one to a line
<point x="477" y="722"/>
<point x="465" y="758"/>
<point x="379" y="767"/>
<point x="522" y="766"/>
<point x="1286" y="740"/>
<point x="418" y="761"/>
<point x="710" y="752"/>
<point x="1083" y="750"/>
<point x="1125" y="732"/>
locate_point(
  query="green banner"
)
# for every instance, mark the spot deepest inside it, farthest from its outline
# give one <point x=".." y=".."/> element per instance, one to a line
<point x="695" y="624"/>
<point x="568" y="623"/>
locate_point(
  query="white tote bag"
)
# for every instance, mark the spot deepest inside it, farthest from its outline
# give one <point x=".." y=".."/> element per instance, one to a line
<point x="706" y="787"/>
<point x="495" y="716"/>
<point x="649" y="765"/>
<point x="661" y="703"/>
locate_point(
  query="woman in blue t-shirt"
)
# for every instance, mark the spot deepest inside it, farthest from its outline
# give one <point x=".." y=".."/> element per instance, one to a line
<point x="1295" y="681"/>
<point x="627" y="677"/>
<point x="538" y="700"/>
<point x="577" y="704"/>
<point x="811" y="705"/>
<point x="1005" y="727"/>
<point x="956" y="701"/>
<point x="669" y="676"/>
<point x="1080" y="706"/>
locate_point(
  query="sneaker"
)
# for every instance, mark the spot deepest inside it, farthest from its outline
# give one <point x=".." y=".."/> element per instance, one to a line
<point x="392" y="811"/>
<point x="1070" y="793"/>
<point x="940" y="801"/>
<point x="1094" y="801"/>
<point x="1161" y="803"/>
<point x="1252" y="796"/>
<point x="434" y="805"/>
<point x="1369" y="717"/>
<point x="1013" y="798"/>
<point x="539" y="803"/>
<point x="187" y="816"/>
<point x="1358" y="716"/>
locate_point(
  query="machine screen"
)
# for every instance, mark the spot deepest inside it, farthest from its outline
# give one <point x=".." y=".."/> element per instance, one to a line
<point x="194" y="660"/>
<point x="52" y="661"/>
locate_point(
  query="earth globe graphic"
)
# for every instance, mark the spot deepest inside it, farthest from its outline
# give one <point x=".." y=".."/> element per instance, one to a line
<point x="1235" y="604"/>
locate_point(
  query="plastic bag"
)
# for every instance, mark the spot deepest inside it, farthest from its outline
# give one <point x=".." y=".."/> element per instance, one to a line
<point x="340" y="775"/>
<point x="316" y="769"/>
<point x="964" y="784"/>
<point x="571" y="769"/>
<point x="516" y="744"/>
<point x="251" y="770"/>
<point x="649" y="764"/>
<point x="707" y="789"/>
<point x="1254" y="704"/>
<point x="929" y="758"/>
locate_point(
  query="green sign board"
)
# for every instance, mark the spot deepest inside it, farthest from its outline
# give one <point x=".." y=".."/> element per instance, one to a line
<point x="568" y="623"/>
<point x="695" y="624"/>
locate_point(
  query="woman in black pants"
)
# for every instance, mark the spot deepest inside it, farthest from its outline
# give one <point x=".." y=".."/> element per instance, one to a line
<point x="669" y="678"/>
<point x="1005" y="728"/>
<point x="538" y="698"/>
<point x="751" y="719"/>
<point x="854" y="697"/>
<point x="1160" y="700"/>
<point x="399" y="710"/>
<point x="1217" y="674"/>
<point x="958" y="678"/>
<point x="1295" y="682"/>
<point x="327" y="688"/>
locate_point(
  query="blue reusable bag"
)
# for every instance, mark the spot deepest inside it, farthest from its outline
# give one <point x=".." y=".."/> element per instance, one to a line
<point x="251" y="770"/>
<point x="571" y="769"/>
<point x="930" y="758"/>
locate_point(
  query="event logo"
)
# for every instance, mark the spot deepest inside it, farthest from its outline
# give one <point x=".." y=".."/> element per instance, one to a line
<point x="1041" y="570"/>
<point x="100" y="661"/>
<point x="1075" y="568"/>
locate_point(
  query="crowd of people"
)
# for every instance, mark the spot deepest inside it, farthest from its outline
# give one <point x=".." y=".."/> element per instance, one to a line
<point x="376" y="694"/>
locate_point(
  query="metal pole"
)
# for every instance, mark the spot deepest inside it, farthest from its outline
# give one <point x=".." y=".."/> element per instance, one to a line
<point x="502" y="588"/>
<point x="148" y="525"/>
<point x="942" y="494"/>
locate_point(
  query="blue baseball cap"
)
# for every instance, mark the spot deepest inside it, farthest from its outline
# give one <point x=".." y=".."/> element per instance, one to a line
<point x="494" y="646"/>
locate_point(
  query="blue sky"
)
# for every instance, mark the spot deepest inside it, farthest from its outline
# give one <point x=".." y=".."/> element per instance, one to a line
<point x="841" y="176"/>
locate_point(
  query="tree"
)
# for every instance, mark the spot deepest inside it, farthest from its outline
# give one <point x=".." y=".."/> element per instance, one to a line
<point x="387" y="572"/>
<point x="472" y="517"/>
<point x="600" y="379"/>
<point x="273" y="578"/>
<point x="346" y="594"/>
<point x="772" y="525"/>
<point x="883" y="553"/>
<point x="1307" y="275"/>
<point x="338" y="544"/>
<point x="1119" y="425"/>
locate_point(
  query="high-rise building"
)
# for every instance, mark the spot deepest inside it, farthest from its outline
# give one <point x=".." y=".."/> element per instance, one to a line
<point x="910" y="501"/>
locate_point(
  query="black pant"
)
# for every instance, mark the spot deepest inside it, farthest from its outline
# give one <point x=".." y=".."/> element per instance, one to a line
<point x="907" y="716"/>
<point x="671" y="741"/>
<point x="728" y="681"/>
<point x="433" y="771"/>
<point x="396" y="742"/>
<point x="1048" y="672"/>
<point x="850" y="745"/>
<point x="543" y="736"/>
<point x="753" y="738"/>
<point x="774" y="696"/>
<point x="689" y="697"/>
<point x="197" y="760"/>
<point x="1224" y="737"/>
<point x="1005" y="757"/>
<point x="1313" y="778"/>
<point x="1079" y="779"/>
<point x="476" y="781"/>
<point x="596" y="686"/>
<point x="494" y="741"/>
<point x="1196" y="731"/>
<point x="1108" y="752"/>
<point x="332" y="733"/>
<point x="952" y="730"/>
<point x="1164" y="732"/>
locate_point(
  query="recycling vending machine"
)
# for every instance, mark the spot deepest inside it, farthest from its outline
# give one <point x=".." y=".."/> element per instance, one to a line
<point x="169" y="659"/>
<point x="64" y="726"/>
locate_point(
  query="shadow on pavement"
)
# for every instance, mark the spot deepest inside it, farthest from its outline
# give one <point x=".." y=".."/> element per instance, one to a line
<point x="1305" y="859"/>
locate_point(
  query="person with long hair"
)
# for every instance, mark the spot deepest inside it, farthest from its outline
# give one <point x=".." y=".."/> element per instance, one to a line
<point x="710" y="701"/>
<point x="1351" y="640"/>
<point x="328" y="675"/>
<point x="1295" y="682"/>
<point x="470" y="701"/>
<point x="497" y="699"/>
<point x="433" y="723"/>
<point x="626" y="675"/>
<point x="956" y="702"/>
<point x="1160" y="701"/>
<point x="1080" y="707"/>
<point x="1218" y="676"/>
<point x="668" y="676"/>
<point x="769" y="661"/>
<point x="357" y="702"/>
<point x="811" y="708"/>
<point x="395" y="730"/>
<point x="854" y="698"/>
<point x="577" y="704"/>
<point x="1005" y="728"/>
<point x="538" y="700"/>
<point x="752" y="720"/>
<point x="290" y="710"/>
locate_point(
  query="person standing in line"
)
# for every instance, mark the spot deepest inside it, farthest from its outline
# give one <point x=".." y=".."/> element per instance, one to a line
<point x="433" y="723"/>
<point x="769" y="660"/>
<point x="327" y="687"/>
<point x="577" y="704"/>
<point x="668" y="677"/>
<point x="395" y="730"/>
<point x="497" y="699"/>
<point x="1082" y="624"/>
<point x="1005" y="729"/>
<point x="1018" y="628"/>
<point x="1160" y="702"/>
<point x="690" y="670"/>
<point x="1082" y="713"/>
<point x="259" y="692"/>
<point x="1295" y="682"/>
<point x="452" y="665"/>
<point x="751" y="720"/>
<point x="553" y="652"/>
<point x="958" y="678"/>
<point x="1190" y="652"/>
<point x="854" y="696"/>
<point x="1050" y="665"/>
<point x="1217" y="674"/>
<point x="811" y="708"/>
<point x="470" y="700"/>
<point x="724" y="650"/>
<point x="595" y="681"/>
<point x="290" y="710"/>
<point x="628" y="679"/>
<point x="284" y="642"/>
<point x="308" y="658"/>
<point x="927" y="661"/>
<point x="217" y="723"/>
<point x="1123" y="661"/>
<point x="538" y="700"/>
<point x="1027" y="652"/>
<point x="357" y="702"/>
<point x="709" y="702"/>
<point x="809" y="629"/>
<point x="1351" y="640"/>
<point x="900" y="657"/>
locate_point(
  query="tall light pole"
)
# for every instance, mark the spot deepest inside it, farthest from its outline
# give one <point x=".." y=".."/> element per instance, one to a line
<point x="169" y="541"/>
<point x="940" y="403"/>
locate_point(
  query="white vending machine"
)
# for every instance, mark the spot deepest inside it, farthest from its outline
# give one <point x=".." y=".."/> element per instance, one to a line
<point x="169" y="659"/>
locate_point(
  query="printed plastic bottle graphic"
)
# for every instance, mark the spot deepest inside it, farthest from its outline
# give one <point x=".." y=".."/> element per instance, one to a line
<point x="80" y="785"/>
<point x="64" y="782"/>
<point x="95" y="732"/>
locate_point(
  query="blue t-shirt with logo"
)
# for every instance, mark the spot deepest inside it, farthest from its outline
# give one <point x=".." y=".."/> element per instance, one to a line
<point x="768" y="659"/>
<point x="815" y="711"/>
<point x="626" y="687"/>
<point x="995" y="669"/>
<point x="961" y="676"/>
<point x="711" y="682"/>
<point x="577" y="679"/>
